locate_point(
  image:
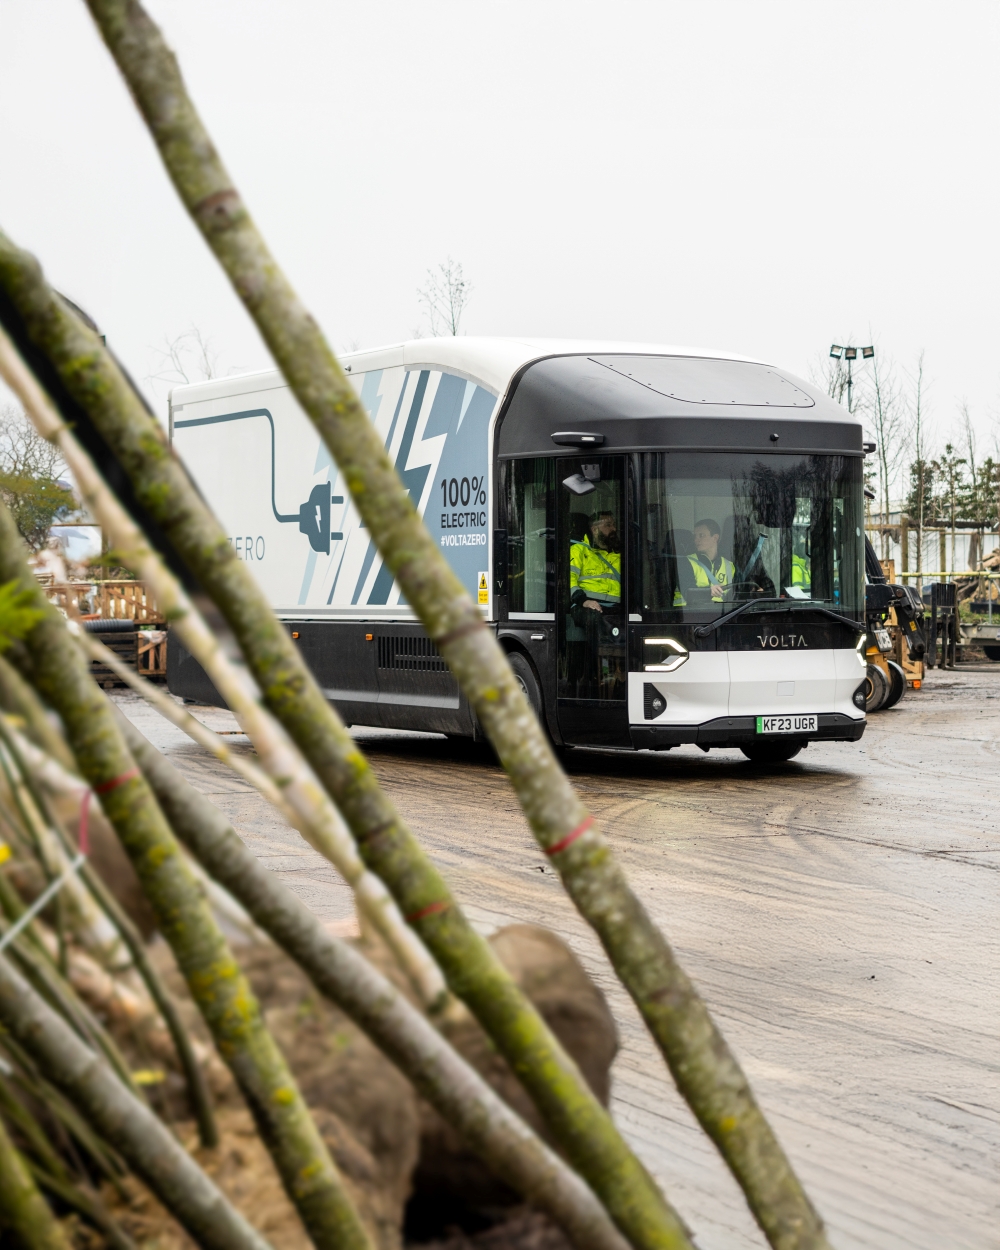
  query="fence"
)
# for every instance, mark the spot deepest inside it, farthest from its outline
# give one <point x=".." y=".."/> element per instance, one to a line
<point x="106" y="600"/>
<point x="939" y="548"/>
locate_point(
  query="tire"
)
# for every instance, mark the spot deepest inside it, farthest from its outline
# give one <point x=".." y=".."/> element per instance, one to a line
<point x="897" y="686"/>
<point x="771" y="752"/>
<point x="876" y="689"/>
<point x="992" y="653"/>
<point x="526" y="679"/>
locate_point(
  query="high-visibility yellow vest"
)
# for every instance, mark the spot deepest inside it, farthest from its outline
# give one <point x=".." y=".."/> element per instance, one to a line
<point x="801" y="573"/>
<point x="723" y="571"/>
<point x="595" y="572"/>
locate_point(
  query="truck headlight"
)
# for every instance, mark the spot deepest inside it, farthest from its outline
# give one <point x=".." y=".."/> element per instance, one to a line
<point x="672" y="655"/>
<point x="861" y="650"/>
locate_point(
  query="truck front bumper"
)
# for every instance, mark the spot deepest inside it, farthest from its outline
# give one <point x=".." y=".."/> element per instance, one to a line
<point x="739" y="731"/>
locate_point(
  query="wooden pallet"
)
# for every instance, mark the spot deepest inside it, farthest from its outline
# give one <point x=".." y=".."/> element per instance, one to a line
<point x="151" y="652"/>
<point x="124" y="643"/>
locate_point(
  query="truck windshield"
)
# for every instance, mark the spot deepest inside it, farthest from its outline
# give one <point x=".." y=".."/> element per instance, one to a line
<point x="717" y="529"/>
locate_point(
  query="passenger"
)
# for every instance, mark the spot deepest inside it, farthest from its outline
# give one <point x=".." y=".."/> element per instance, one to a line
<point x="709" y="569"/>
<point x="801" y="570"/>
<point x="595" y="566"/>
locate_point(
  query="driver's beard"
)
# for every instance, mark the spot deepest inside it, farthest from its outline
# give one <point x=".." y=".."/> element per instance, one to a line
<point x="610" y="542"/>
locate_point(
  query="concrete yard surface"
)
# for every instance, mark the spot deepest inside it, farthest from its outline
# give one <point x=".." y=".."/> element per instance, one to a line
<point x="838" y="913"/>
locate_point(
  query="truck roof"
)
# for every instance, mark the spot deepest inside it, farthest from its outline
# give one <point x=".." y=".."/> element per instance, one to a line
<point x="491" y="362"/>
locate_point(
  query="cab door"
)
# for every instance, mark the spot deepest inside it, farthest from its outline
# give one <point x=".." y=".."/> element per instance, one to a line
<point x="591" y="601"/>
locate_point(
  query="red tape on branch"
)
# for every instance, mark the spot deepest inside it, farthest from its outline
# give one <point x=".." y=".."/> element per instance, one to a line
<point x="562" y="844"/>
<point x="430" y="910"/>
<point x="83" y="834"/>
<point x="115" y="782"/>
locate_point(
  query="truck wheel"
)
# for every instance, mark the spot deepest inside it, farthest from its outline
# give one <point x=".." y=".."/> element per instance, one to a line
<point x="524" y="674"/>
<point x="992" y="653"/>
<point x="897" y="686"/>
<point x="876" y="688"/>
<point x="771" y="752"/>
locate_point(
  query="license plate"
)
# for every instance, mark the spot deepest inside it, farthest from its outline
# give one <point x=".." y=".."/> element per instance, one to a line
<point x="883" y="640"/>
<point x="786" y="724"/>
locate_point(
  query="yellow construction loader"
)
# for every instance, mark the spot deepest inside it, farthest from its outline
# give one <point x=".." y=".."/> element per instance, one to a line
<point x="897" y="642"/>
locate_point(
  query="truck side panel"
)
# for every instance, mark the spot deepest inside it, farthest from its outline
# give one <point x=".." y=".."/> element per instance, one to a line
<point x="268" y="477"/>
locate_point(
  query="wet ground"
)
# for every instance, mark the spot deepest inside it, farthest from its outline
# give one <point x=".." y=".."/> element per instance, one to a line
<point x="839" y="913"/>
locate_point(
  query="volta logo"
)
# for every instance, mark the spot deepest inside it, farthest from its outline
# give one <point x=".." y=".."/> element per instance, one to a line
<point x="781" y="642"/>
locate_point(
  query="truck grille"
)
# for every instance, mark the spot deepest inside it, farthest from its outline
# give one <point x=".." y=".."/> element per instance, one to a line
<point x="410" y="652"/>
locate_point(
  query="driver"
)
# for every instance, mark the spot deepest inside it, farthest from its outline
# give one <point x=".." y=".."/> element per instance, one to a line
<point x="595" y="566"/>
<point x="709" y="569"/>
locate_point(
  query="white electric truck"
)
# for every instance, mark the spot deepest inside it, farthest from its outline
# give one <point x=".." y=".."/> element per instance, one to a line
<point x="668" y="543"/>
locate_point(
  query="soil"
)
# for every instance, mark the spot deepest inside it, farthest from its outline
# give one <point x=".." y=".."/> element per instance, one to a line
<point x="522" y="1229"/>
<point x="409" y="1173"/>
<point x="451" y="1179"/>
<point x="242" y="1169"/>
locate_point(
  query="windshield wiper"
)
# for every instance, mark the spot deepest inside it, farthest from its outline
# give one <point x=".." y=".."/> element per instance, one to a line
<point x="704" y="630"/>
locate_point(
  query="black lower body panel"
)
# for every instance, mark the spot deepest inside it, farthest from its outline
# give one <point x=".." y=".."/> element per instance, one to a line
<point x="594" y="722"/>
<point x="387" y="675"/>
<point x="185" y="676"/>
<point x="738" y="731"/>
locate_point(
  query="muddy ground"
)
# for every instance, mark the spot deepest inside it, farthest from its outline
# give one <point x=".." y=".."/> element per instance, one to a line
<point x="839" y="913"/>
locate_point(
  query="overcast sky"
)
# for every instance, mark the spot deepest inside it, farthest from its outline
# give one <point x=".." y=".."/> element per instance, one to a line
<point x="759" y="177"/>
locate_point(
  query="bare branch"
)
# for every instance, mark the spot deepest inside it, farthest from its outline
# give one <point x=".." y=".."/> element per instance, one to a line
<point x="445" y="297"/>
<point x="188" y="357"/>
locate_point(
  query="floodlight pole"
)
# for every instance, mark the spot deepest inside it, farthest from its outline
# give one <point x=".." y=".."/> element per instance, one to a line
<point x="850" y="354"/>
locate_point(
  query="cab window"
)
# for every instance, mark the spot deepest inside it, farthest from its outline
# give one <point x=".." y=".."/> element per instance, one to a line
<point x="531" y="535"/>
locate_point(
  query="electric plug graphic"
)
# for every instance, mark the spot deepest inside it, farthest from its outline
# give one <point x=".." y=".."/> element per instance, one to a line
<point x="314" y="517"/>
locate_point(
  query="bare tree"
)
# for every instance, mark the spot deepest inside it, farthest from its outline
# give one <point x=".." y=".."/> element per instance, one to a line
<point x="445" y="297"/>
<point x="886" y="420"/>
<point x="30" y="469"/>
<point x="23" y="451"/>
<point x="921" y="472"/>
<point x="831" y="374"/>
<point x="189" y="357"/>
<point x="973" y="496"/>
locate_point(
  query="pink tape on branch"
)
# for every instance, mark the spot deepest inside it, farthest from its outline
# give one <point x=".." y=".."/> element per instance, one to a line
<point x="83" y="834"/>
<point x="115" y="782"/>
<point x="562" y="844"/>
